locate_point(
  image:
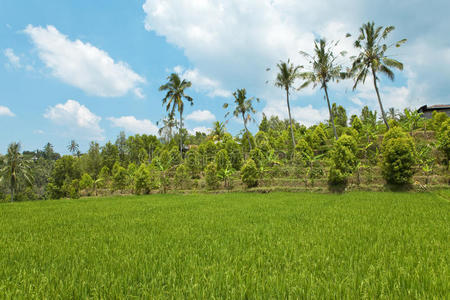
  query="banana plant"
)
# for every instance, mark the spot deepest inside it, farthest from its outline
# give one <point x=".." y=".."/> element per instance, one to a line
<point x="225" y="175"/>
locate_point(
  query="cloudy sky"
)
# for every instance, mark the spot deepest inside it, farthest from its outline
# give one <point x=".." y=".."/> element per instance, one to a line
<point x="86" y="70"/>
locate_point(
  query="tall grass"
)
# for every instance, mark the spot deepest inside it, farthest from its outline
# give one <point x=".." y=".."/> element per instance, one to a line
<point x="280" y="245"/>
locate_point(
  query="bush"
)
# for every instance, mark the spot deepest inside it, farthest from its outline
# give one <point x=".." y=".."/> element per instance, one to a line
<point x="342" y="162"/>
<point x="52" y="191"/>
<point x="182" y="179"/>
<point x="437" y="120"/>
<point x="193" y="163"/>
<point x="120" y="177"/>
<point x="398" y="157"/>
<point x="104" y="177"/>
<point x="234" y="153"/>
<point x="222" y="160"/>
<point x="211" y="179"/>
<point x="249" y="174"/>
<point x="72" y="189"/>
<point x="175" y="156"/>
<point x="142" y="180"/>
<point x="444" y="141"/>
<point x="258" y="157"/>
<point x="86" y="182"/>
<point x="302" y="150"/>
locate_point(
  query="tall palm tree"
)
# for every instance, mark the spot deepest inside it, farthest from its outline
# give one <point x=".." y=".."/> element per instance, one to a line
<point x="73" y="147"/>
<point x="175" y="88"/>
<point x="243" y="108"/>
<point x="15" y="167"/>
<point x="372" y="57"/>
<point x="324" y="68"/>
<point x="287" y="74"/>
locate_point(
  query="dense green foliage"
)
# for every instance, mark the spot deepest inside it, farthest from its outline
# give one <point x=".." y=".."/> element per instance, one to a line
<point x="356" y="152"/>
<point x="250" y="174"/>
<point x="343" y="161"/>
<point x="398" y="157"/>
<point x="356" y="245"/>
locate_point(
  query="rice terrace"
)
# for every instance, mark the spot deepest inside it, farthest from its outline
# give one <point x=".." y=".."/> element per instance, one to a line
<point x="279" y="245"/>
<point x="258" y="149"/>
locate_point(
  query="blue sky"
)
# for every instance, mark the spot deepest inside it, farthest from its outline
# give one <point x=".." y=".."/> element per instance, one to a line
<point x="86" y="70"/>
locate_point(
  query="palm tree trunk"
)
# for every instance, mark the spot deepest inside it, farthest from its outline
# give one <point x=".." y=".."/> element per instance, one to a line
<point x="13" y="185"/>
<point x="379" y="99"/>
<point x="181" y="137"/>
<point x="248" y="135"/>
<point x="290" y="119"/>
<point x="329" y="109"/>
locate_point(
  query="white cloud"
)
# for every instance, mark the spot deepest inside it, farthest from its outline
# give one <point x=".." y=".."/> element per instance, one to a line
<point x="83" y="65"/>
<point x="201" y="129"/>
<point x="201" y="83"/>
<point x="232" y="42"/>
<point x="5" y="111"/>
<point x="76" y="119"/>
<point x="13" y="59"/>
<point x="38" y="131"/>
<point x="201" y="116"/>
<point x="131" y="124"/>
<point x="306" y="115"/>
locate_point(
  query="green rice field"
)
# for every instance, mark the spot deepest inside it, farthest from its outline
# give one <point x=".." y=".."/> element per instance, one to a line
<point x="234" y="246"/>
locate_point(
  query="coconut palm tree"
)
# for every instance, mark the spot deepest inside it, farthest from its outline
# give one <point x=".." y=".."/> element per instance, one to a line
<point x="166" y="130"/>
<point x="218" y="131"/>
<point x="73" y="147"/>
<point x="175" y="88"/>
<point x="373" y="59"/>
<point x="243" y="108"/>
<point x="324" y="69"/>
<point x="15" y="167"/>
<point x="287" y="74"/>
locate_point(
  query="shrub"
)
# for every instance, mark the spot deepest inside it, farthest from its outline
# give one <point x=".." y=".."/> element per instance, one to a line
<point x="444" y="141"/>
<point x="258" y="157"/>
<point x="182" y="179"/>
<point x="142" y="180"/>
<point x="193" y="163"/>
<point x="357" y="124"/>
<point x="222" y="160"/>
<point x="52" y="191"/>
<point x="302" y="150"/>
<point x="398" y="157"/>
<point x="437" y="120"/>
<point x="175" y="156"/>
<point x="342" y="161"/>
<point x="120" y="177"/>
<point x="104" y="177"/>
<point x="249" y="174"/>
<point x="71" y="189"/>
<point x="246" y="137"/>
<point x="211" y="179"/>
<point x="86" y="182"/>
<point x="234" y="153"/>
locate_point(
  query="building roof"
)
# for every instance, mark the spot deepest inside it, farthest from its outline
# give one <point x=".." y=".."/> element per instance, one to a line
<point x="434" y="107"/>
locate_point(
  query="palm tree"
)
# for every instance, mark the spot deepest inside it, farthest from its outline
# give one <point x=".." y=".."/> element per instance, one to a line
<point x="288" y="73"/>
<point x="244" y="108"/>
<point x="175" y="88"/>
<point x="166" y="130"/>
<point x="15" y="167"/>
<point x="73" y="147"/>
<point x="325" y="68"/>
<point x="372" y="57"/>
<point x="218" y="131"/>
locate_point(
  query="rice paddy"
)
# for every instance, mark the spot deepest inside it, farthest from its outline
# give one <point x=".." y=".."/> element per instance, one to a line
<point x="236" y="245"/>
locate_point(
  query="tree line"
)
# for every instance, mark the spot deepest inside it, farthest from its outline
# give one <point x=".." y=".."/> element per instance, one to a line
<point x="399" y="144"/>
